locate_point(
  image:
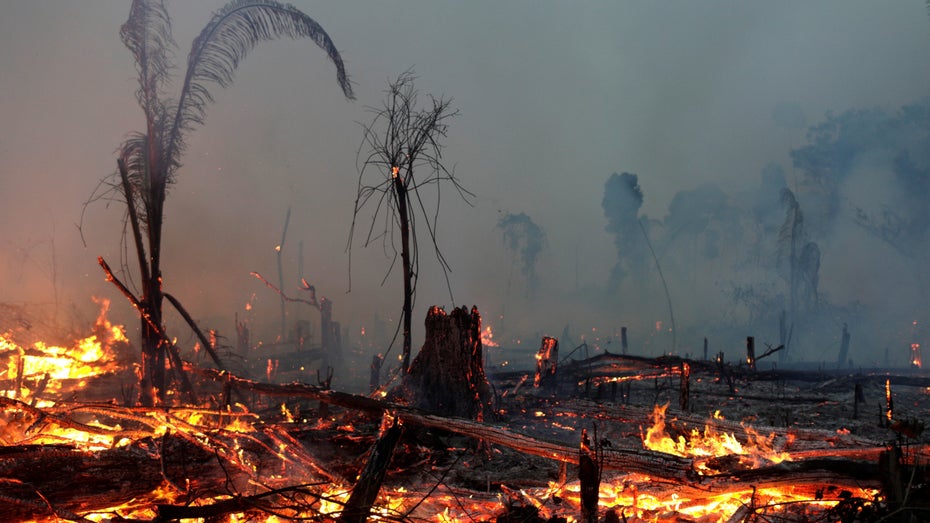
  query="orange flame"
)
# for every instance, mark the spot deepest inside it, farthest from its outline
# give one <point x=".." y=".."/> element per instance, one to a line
<point x="44" y="366"/>
<point x="710" y="443"/>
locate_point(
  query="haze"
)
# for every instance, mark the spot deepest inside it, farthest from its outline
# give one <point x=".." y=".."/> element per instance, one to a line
<point x="554" y="98"/>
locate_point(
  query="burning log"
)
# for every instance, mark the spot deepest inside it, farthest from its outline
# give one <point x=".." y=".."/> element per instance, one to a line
<point x="818" y="467"/>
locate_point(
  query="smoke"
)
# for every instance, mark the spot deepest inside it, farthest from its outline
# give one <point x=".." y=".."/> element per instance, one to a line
<point x="697" y="99"/>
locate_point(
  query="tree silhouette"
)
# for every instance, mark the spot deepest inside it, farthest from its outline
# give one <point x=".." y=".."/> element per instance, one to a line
<point x="799" y="257"/>
<point x="149" y="160"/>
<point x="622" y="201"/>
<point x="521" y="233"/>
<point x="400" y="143"/>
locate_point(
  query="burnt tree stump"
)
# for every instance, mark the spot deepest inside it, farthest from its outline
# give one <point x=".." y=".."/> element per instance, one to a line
<point x="447" y="376"/>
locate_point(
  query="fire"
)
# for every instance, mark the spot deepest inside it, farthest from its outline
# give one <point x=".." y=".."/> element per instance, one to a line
<point x="41" y="368"/>
<point x="710" y="443"/>
<point x="269" y="456"/>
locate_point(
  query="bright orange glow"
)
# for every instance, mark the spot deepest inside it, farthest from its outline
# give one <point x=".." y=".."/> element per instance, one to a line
<point x="889" y="410"/>
<point x="487" y="338"/>
<point x="756" y="450"/>
<point x="249" y="443"/>
<point x="43" y="367"/>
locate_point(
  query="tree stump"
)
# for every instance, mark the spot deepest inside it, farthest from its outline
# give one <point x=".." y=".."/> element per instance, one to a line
<point x="447" y="376"/>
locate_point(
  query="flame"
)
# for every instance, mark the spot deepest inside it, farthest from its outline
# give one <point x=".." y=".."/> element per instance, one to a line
<point x="710" y="443"/>
<point x="238" y="436"/>
<point x="42" y="367"/>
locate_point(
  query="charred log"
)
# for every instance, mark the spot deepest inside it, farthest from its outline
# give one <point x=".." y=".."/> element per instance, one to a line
<point x="369" y="482"/>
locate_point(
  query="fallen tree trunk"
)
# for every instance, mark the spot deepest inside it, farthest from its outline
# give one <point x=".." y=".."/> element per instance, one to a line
<point x="817" y="468"/>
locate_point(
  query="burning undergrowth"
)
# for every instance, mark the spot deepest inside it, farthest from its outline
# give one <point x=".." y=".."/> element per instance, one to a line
<point x="265" y="452"/>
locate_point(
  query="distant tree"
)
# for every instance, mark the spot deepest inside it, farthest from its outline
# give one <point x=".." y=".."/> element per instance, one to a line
<point x="905" y="222"/>
<point x="691" y="213"/>
<point x="765" y="202"/>
<point x="622" y="201"/>
<point x="799" y="258"/>
<point x="890" y="153"/>
<point x="835" y="147"/>
<point x="401" y="143"/>
<point x="522" y="234"/>
<point x="149" y="160"/>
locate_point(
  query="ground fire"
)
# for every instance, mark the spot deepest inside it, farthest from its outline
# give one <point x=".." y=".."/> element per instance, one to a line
<point x="75" y="447"/>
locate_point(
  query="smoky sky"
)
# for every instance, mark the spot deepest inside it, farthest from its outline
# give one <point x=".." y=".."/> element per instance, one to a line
<point x="554" y="98"/>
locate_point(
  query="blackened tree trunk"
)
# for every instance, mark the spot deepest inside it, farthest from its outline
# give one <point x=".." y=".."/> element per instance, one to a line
<point x="401" y="192"/>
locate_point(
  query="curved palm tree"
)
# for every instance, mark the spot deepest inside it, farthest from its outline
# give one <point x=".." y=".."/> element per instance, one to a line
<point x="148" y="161"/>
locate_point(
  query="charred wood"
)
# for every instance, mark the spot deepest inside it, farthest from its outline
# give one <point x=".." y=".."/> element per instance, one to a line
<point x="447" y="376"/>
<point x="365" y="492"/>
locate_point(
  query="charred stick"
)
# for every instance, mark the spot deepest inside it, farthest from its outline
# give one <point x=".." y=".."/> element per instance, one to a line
<point x="589" y="477"/>
<point x="366" y="490"/>
<point x="684" y="389"/>
<point x="770" y="351"/>
<point x="312" y="302"/>
<point x="193" y="325"/>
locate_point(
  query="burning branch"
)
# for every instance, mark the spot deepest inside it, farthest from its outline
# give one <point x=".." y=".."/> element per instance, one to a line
<point x="307" y="287"/>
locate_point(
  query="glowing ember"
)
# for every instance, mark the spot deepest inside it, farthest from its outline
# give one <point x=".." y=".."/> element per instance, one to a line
<point x="487" y="338"/>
